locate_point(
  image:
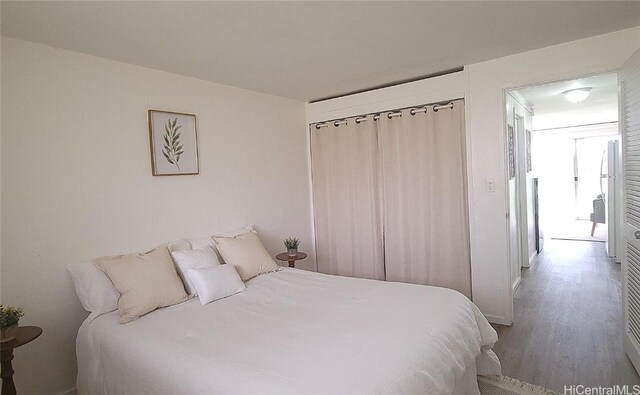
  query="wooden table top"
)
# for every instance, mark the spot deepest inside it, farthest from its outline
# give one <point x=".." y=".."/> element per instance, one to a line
<point x="25" y="335"/>
<point x="286" y="257"/>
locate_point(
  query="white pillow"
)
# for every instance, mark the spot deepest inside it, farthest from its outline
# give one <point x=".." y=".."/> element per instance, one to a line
<point x="199" y="243"/>
<point x="191" y="259"/>
<point x="246" y="253"/>
<point x="179" y="245"/>
<point x="216" y="282"/>
<point x="96" y="292"/>
<point x="190" y="244"/>
<point x="238" y="231"/>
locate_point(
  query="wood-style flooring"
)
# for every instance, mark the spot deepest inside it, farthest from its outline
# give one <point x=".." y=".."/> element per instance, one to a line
<point x="568" y="321"/>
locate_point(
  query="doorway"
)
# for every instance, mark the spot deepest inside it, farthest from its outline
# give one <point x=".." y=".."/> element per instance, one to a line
<point x="563" y="184"/>
<point x="563" y="162"/>
<point x="573" y="166"/>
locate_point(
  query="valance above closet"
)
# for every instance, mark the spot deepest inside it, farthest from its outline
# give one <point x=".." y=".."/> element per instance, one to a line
<point x="390" y="199"/>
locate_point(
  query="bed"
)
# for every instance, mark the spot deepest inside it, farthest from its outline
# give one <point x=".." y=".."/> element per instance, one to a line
<point x="294" y="332"/>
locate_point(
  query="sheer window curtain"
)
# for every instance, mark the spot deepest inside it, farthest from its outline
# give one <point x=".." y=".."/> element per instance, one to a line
<point x="346" y="194"/>
<point x="426" y="230"/>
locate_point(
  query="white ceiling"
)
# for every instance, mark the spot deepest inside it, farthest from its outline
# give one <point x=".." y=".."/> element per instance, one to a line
<point x="310" y="50"/>
<point x="552" y="110"/>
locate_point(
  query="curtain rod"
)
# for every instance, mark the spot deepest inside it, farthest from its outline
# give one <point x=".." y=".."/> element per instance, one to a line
<point x="391" y="114"/>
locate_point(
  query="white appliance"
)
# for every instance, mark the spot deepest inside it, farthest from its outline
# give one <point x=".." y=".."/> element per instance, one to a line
<point x="612" y="196"/>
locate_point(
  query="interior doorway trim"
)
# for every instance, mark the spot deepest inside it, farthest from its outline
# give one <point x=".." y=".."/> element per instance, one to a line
<point x="506" y="88"/>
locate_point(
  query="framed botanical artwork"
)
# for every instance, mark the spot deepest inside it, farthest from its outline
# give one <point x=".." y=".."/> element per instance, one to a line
<point x="174" y="143"/>
<point x="512" y="156"/>
<point x="529" y="162"/>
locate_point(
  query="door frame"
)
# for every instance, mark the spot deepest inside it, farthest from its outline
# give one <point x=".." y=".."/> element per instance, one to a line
<point x="509" y="316"/>
<point x="521" y="179"/>
<point x="518" y="121"/>
<point x="517" y="214"/>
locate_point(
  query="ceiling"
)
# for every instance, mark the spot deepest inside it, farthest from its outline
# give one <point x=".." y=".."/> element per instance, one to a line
<point x="552" y="110"/>
<point x="310" y="50"/>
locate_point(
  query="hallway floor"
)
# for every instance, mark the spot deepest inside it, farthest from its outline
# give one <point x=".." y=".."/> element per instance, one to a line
<point x="577" y="229"/>
<point x="568" y="320"/>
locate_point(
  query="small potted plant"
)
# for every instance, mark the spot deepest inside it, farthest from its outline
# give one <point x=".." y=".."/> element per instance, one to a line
<point x="9" y="317"/>
<point x="292" y="245"/>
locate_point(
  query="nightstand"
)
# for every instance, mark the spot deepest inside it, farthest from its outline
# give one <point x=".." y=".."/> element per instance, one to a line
<point x="26" y="334"/>
<point x="291" y="258"/>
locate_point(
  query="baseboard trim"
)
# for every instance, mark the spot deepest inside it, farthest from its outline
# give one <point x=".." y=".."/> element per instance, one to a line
<point x="516" y="285"/>
<point x="494" y="319"/>
<point x="532" y="258"/>
<point x="70" y="391"/>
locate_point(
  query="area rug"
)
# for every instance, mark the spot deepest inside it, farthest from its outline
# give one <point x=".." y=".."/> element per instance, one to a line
<point x="503" y="385"/>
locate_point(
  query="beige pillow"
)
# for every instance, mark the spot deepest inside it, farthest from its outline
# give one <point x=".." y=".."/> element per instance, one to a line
<point x="146" y="281"/>
<point x="246" y="253"/>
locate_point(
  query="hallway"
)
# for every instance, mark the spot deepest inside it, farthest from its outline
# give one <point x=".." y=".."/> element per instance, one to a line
<point x="568" y="320"/>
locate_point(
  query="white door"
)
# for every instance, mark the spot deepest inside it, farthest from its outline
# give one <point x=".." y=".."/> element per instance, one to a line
<point x="629" y="88"/>
<point x="612" y="196"/>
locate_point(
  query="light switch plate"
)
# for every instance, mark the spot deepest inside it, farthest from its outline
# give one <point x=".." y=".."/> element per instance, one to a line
<point x="490" y="185"/>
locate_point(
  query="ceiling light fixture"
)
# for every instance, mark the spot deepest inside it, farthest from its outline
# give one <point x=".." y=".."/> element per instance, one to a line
<point x="577" y="95"/>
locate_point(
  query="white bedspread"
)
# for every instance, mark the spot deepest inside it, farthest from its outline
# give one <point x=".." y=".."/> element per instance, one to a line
<point x="293" y="331"/>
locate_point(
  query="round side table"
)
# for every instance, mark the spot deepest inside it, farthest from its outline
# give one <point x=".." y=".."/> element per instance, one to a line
<point x="291" y="258"/>
<point x="25" y="335"/>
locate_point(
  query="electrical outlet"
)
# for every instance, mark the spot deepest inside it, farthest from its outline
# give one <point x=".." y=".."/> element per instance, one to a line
<point x="490" y="185"/>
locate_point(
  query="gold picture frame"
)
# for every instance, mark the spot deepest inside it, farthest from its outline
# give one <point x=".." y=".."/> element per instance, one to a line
<point x="173" y="141"/>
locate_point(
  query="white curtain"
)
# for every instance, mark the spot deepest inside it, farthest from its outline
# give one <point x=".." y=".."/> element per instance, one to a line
<point x="390" y="198"/>
<point x="426" y="231"/>
<point x="346" y="197"/>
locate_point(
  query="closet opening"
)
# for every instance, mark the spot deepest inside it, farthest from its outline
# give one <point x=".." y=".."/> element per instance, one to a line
<point x="390" y="195"/>
<point x="564" y="185"/>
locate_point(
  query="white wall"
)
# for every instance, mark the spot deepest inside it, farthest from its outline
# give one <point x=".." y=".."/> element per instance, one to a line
<point x="76" y="181"/>
<point x="591" y="116"/>
<point x="487" y="81"/>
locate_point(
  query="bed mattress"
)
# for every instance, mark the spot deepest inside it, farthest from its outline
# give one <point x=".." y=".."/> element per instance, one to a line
<point x="294" y="332"/>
